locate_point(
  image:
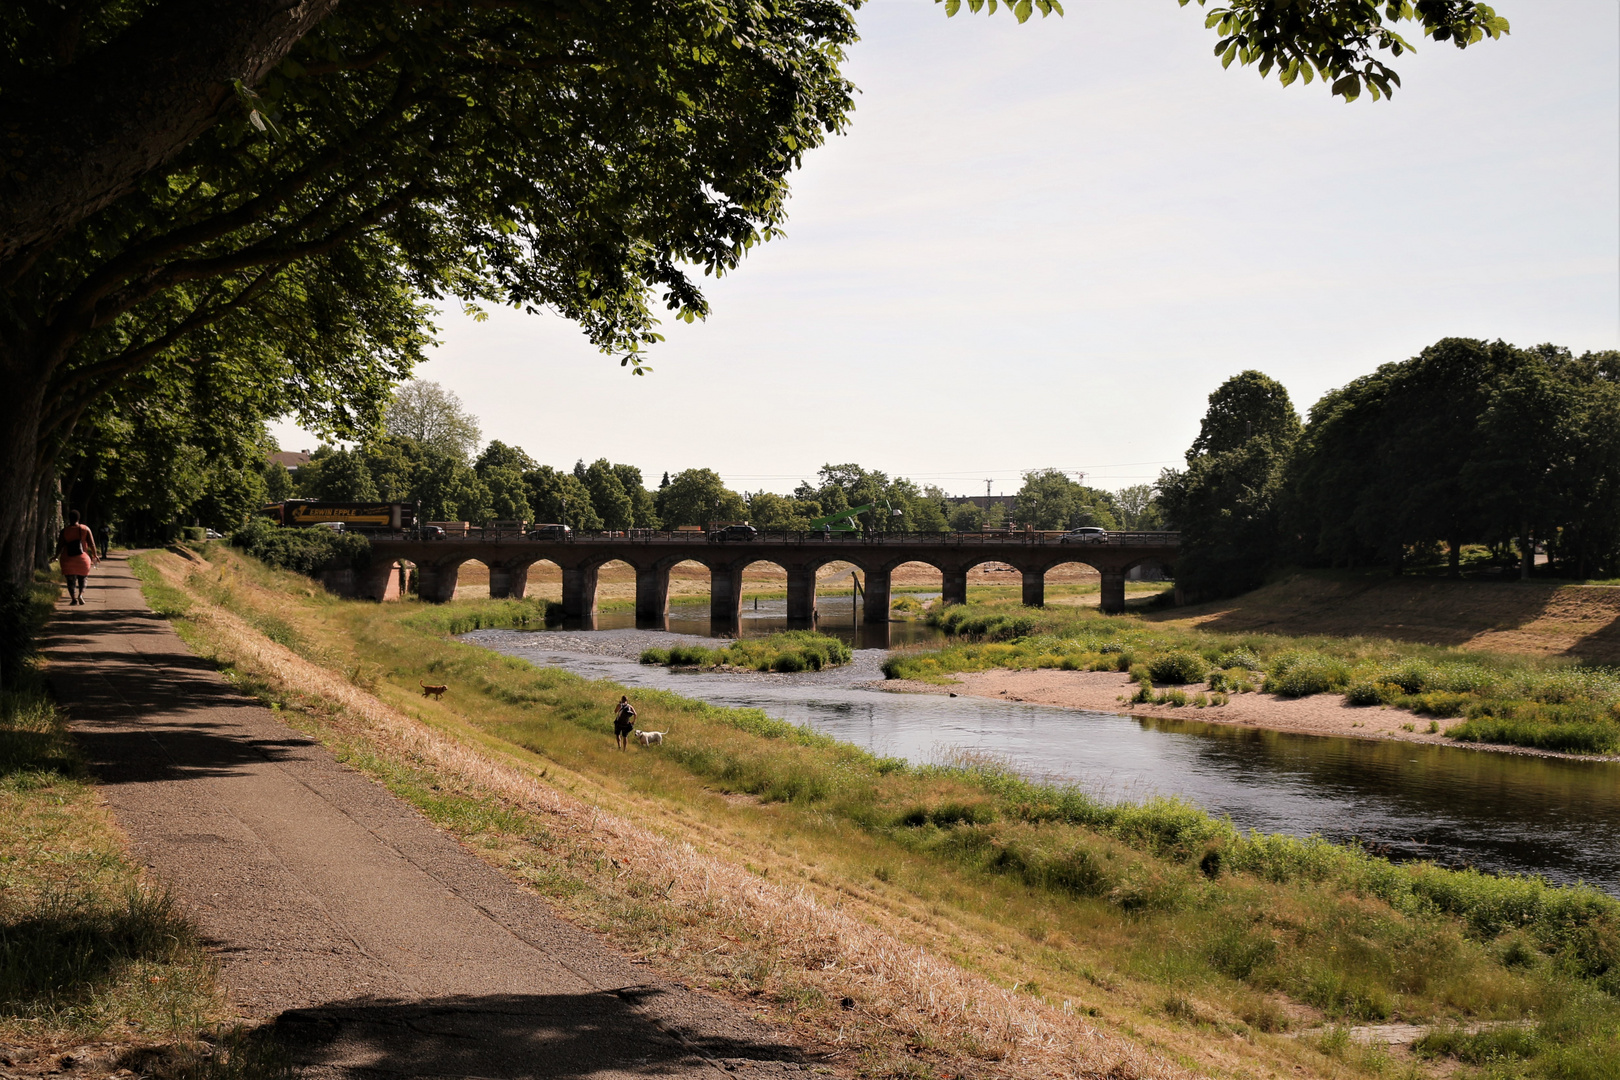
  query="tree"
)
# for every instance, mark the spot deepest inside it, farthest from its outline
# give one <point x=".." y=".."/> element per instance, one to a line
<point x="450" y="491"/>
<point x="289" y="185"/>
<point x="612" y="502"/>
<point x="508" y="494"/>
<point x="336" y="476"/>
<point x="1139" y="507"/>
<point x="779" y="513"/>
<point x="967" y="517"/>
<point x="433" y="418"/>
<point x="1050" y="500"/>
<point x="1226" y="502"/>
<point x="643" y="509"/>
<point x="926" y="512"/>
<point x="278" y="482"/>
<point x="498" y="455"/>
<point x="697" y="497"/>
<point x="560" y="498"/>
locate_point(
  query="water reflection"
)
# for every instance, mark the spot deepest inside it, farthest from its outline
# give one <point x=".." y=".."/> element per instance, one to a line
<point x="1457" y="806"/>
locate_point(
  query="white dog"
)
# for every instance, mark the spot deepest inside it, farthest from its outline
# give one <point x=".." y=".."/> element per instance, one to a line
<point x="650" y="738"/>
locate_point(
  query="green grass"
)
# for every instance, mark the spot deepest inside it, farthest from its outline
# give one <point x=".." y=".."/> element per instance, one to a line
<point x="1126" y="905"/>
<point x="791" y="650"/>
<point x="1511" y="700"/>
<point x="88" y="949"/>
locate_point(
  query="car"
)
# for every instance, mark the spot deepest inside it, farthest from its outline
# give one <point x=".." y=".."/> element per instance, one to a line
<point x="1089" y="534"/>
<point x="210" y="534"/>
<point x="550" y="532"/>
<point x="334" y="526"/>
<point x="735" y="532"/>
<point x="430" y="532"/>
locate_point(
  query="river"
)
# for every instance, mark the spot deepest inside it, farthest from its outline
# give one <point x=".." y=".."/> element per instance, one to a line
<point x="1504" y="813"/>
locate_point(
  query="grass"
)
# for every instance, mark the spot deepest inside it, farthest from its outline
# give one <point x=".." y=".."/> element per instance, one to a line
<point x="791" y="650"/>
<point x="1513" y="700"/>
<point x="790" y="871"/>
<point x="89" y="949"/>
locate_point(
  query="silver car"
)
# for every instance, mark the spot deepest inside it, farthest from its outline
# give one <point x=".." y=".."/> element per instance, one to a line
<point x="1089" y="534"/>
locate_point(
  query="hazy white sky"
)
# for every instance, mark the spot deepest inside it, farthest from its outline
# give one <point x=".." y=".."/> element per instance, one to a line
<point x="1044" y="245"/>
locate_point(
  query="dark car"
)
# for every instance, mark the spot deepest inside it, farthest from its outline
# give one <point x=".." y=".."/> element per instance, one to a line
<point x="550" y="532"/>
<point x="1090" y="534"/>
<point x="735" y="532"/>
<point x="430" y="532"/>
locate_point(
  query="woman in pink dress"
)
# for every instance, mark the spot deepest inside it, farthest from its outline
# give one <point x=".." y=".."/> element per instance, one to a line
<point x="76" y="550"/>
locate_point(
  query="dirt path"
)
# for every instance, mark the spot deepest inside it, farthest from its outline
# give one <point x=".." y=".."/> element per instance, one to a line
<point x="379" y="944"/>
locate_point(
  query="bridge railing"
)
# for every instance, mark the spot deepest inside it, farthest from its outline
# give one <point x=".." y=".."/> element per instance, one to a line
<point x="962" y="539"/>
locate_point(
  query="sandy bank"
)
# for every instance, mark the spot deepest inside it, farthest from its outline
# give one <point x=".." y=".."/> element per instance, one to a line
<point x="1108" y="691"/>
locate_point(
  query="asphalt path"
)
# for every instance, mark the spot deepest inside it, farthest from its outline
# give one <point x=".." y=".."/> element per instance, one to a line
<point x="377" y="944"/>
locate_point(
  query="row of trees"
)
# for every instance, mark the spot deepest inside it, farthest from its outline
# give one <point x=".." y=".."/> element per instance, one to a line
<point x="1467" y="443"/>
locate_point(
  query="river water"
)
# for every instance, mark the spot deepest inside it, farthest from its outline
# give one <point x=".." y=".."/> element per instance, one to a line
<point x="1504" y="813"/>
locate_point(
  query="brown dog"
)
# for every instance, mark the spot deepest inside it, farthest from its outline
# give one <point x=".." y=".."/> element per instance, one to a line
<point x="434" y="692"/>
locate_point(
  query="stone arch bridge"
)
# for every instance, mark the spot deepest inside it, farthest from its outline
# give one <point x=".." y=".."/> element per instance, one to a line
<point x="652" y="554"/>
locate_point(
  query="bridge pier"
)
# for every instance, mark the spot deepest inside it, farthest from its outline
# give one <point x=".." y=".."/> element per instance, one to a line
<point x="725" y="597"/>
<point x="579" y="592"/>
<point x="953" y="589"/>
<point x="437" y="583"/>
<point x="877" y="596"/>
<point x="1034" y="588"/>
<point x="652" y="598"/>
<point x="1113" y="591"/>
<point x="508" y="580"/>
<point x="801" y="598"/>
<point x="376" y="581"/>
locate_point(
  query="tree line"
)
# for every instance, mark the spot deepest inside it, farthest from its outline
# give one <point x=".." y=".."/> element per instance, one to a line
<point x="1469" y="444"/>
<point x="196" y="454"/>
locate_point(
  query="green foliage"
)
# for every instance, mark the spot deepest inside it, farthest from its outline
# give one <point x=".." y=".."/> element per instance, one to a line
<point x="612" y="502"/>
<point x="1226" y="502"/>
<point x="1177" y="667"/>
<point x="1340" y="42"/>
<point x="1050" y="500"/>
<point x="697" y="497"/>
<point x="336" y="476"/>
<point x="304" y="551"/>
<point x="560" y="498"/>
<point x="792" y="650"/>
<point x="967" y="517"/>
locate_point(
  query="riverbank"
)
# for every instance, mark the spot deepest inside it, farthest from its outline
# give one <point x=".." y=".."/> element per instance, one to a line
<point x="908" y="920"/>
<point x="1110" y="691"/>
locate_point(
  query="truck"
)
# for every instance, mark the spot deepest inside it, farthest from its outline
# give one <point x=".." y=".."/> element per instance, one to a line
<point x="393" y="517"/>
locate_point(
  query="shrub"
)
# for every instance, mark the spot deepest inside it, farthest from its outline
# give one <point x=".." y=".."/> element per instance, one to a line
<point x="1302" y="676"/>
<point x="304" y="551"/>
<point x="1371" y="693"/>
<point x="1241" y="658"/>
<point x="1177" y="667"/>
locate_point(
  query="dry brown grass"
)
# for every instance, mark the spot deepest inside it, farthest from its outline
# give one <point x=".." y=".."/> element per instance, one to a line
<point x="1515" y="617"/>
<point x="811" y="944"/>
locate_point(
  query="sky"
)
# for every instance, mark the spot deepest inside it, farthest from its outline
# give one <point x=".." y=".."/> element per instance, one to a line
<point x="1043" y="246"/>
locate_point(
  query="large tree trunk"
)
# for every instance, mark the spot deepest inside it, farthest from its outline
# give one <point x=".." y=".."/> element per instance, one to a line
<point x="20" y="408"/>
<point x="48" y="519"/>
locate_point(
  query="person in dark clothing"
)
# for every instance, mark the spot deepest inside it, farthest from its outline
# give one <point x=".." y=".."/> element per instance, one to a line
<point x="624" y="722"/>
<point x="76" y="552"/>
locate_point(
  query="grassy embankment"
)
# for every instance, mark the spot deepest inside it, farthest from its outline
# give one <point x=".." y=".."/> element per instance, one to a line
<point x="94" y="959"/>
<point x="1153" y="924"/>
<point x="792" y="650"/>
<point x="1541" y="702"/>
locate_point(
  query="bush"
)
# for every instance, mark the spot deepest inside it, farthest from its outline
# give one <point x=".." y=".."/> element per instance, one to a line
<point x="1371" y="693"/>
<point x="1304" y="675"/>
<point x="304" y="551"/>
<point x="1177" y="667"/>
<point x="1239" y="658"/>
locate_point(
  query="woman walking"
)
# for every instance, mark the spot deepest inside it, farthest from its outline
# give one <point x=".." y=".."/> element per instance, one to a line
<point x="624" y="722"/>
<point x="76" y="551"/>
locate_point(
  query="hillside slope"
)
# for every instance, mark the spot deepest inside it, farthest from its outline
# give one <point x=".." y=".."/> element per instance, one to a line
<point x="1579" y="621"/>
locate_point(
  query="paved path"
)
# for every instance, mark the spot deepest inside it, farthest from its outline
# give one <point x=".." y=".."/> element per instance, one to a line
<point x="383" y="947"/>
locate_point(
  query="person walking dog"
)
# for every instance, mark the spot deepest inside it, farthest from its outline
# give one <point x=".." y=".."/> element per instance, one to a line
<point x="624" y="722"/>
<point x="76" y="551"/>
